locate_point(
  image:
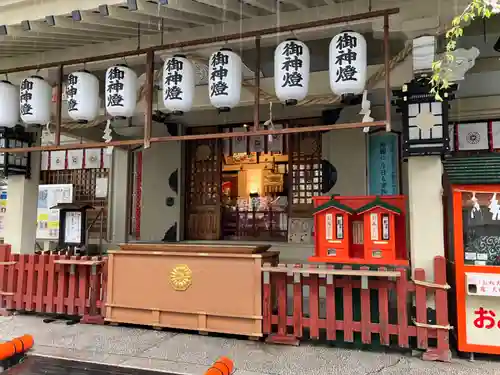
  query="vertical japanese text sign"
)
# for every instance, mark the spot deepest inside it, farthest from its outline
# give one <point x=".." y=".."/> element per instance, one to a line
<point x="383" y="164"/>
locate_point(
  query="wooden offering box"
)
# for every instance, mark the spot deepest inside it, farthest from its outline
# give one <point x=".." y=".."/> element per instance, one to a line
<point x="210" y="288"/>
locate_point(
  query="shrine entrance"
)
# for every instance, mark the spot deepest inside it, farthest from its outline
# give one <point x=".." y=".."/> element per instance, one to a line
<point x="248" y="188"/>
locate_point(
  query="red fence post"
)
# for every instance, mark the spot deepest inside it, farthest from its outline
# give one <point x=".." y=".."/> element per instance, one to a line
<point x="442" y="351"/>
<point x="6" y="266"/>
<point x="282" y="336"/>
<point x="94" y="316"/>
<point x="421" y="309"/>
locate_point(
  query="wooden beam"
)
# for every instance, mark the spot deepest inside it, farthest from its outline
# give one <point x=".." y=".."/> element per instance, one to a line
<point x="233" y="6"/>
<point x="76" y="24"/>
<point x="137" y="142"/>
<point x="149" y="9"/>
<point x="130" y="16"/>
<point x="148" y="111"/>
<point x="60" y="79"/>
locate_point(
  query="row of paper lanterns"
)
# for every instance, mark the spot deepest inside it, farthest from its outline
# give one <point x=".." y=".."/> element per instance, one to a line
<point x="347" y="69"/>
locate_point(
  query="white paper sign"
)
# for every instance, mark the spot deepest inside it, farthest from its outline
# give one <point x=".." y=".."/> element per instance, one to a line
<point x="329" y="226"/>
<point x="374" y="227"/>
<point x="73" y="228"/>
<point x="93" y="158"/>
<point x="57" y="160"/>
<point x="473" y="136"/>
<point x="483" y="284"/>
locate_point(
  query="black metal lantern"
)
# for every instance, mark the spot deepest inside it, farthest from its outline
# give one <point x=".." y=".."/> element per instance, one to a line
<point x="425" y="119"/>
<point x="18" y="163"/>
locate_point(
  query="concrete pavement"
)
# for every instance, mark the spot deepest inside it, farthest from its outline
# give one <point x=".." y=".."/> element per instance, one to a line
<point x="193" y="354"/>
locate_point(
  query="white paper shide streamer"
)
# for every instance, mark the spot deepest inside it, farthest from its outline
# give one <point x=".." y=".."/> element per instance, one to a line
<point x="82" y="91"/>
<point x="35" y="100"/>
<point x="224" y="80"/>
<point x="178" y="84"/>
<point x="348" y="65"/>
<point x="291" y="71"/>
<point x="108" y="137"/>
<point x="121" y="91"/>
<point x="9" y="96"/>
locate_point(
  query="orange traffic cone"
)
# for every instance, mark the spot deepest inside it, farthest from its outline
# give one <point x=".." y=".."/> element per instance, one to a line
<point x="18" y="345"/>
<point x="223" y="366"/>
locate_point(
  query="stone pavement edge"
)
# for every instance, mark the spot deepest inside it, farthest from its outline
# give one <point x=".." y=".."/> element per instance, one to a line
<point x="192" y="354"/>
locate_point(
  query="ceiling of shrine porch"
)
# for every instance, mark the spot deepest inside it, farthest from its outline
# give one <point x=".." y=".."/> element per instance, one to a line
<point x="100" y="21"/>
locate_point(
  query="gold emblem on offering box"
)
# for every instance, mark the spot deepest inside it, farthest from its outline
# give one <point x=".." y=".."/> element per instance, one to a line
<point x="181" y="277"/>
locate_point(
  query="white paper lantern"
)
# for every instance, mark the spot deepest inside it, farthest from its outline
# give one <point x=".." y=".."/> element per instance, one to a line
<point x="178" y="84"/>
<point x="121" y="91"/>
<point x="224" y="79"/>
<point x="35" y="100"/>
<point x="348" y="63"/>
<point x="9" y="100"/>
<point x="291" y="71"/>
<point x="82" y="91"/>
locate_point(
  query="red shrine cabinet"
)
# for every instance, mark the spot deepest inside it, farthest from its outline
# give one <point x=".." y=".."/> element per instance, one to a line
<point x="360" y="230"/>
<point x="332" y="221"/>
<point x="379" y="231"/>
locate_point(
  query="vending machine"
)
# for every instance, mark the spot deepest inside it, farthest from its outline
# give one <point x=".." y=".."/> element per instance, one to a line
<point x="475" y="259"/>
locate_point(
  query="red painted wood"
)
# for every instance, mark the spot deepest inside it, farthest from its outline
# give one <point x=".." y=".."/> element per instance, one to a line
<point x="383" y="303"/>
<point x="443" y="344"/>
<point x="31" y="272"/>
<point x="71" y="307"/>
<point x="62" y="286"/>
<point x="402" y="304"/>
<point x="348" y="308"/>
<point x="41" y="282"/>
<point x="21" y="282"/>
<point x="267" y="306"/>
<point x="297" y="305"/>
<point x="51" y="284"/>
<point x="11" y="281"/>
<point x="314" y="304"/>
<point x="83" y="290"/>
<point x="38" y="284"/>
<point x="331" y="323"/>
<point x="4" y="257"/>
<point x="366" y="335"/>
<point x="281" y="295"/>
<point x="421" y="307"/>
<point x="104" y="283"/>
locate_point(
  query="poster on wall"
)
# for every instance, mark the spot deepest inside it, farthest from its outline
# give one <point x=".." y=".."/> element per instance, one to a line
<point x="47" y="218"/>
<point x="383" y="164"/>
<point x="3" y="211"/>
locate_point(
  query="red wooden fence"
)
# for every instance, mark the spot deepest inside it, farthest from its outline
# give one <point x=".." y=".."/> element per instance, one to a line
<point x="286" y="324"/>
<point x="53" y="284"/>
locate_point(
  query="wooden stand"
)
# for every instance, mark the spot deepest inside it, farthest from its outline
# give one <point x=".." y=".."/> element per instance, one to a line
<point x="206" y="288"/>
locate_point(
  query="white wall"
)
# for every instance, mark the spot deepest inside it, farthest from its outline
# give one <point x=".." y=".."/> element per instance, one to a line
<point x="158" y="163"/>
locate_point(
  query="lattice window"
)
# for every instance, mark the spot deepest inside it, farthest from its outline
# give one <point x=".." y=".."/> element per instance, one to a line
<point x="306" y="170"/>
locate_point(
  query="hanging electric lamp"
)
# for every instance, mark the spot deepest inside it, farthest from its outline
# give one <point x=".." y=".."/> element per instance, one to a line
<point x="224" y="79"/>
<point x="291" y="71"/>
<point x="121" y="91"/>
<point x="178" y="84"/>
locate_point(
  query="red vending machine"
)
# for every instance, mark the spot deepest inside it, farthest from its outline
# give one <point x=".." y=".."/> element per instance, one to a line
<point x="476" y="244"/>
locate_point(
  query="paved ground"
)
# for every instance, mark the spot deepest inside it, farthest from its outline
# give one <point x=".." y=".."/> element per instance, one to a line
<point x="192" y="354"/>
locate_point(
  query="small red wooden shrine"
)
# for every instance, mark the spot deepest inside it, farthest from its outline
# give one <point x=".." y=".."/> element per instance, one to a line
<point x="379" y="231"/>
<point x="332" y="221"/>
<point x="354" y="215"/>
